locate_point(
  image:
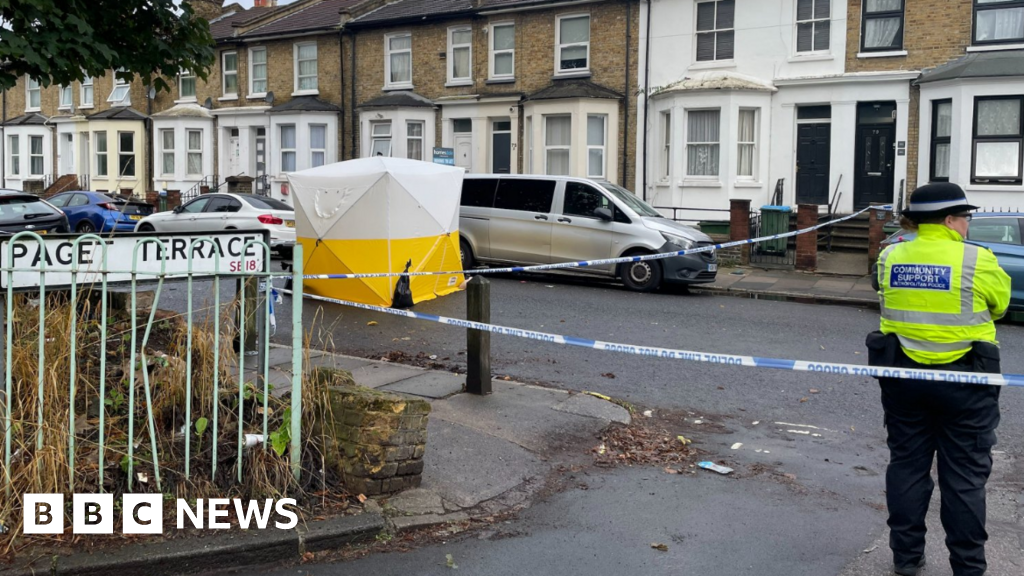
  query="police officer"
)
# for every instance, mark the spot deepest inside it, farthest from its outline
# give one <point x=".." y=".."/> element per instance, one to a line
<point x="939" y="297"/>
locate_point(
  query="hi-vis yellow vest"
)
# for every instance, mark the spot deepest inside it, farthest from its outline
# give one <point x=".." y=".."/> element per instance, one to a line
<point x="939" y="295"/>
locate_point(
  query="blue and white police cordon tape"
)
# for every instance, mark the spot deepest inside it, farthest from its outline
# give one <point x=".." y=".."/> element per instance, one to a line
<point x="727" y="359"/>
<point x="604" y="262"/>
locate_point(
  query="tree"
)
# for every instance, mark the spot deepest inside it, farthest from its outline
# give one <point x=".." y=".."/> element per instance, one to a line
<point x="60" y="41"/>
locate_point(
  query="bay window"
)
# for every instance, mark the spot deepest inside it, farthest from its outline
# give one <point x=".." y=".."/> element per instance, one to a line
<point x="557" y="144"/>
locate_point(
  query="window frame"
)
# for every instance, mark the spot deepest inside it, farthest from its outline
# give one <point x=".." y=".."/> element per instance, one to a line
<point x="126" y="98"/>
<point x="409" y="138"/>
<point x="975" y="9"/>
<point x="1019" y="139"/>
<point x="388" y="52"/>
<point x="32" y="156"/>
<point x="313" y="151"/>
<point x="87" y="82"/>
<point x="665" y="154"/>
<point x="191" y="151"/>
<point x="603" y="147"/>
<point x="718" y="170"/>
<point x="548" y="148"/>
<point x="253" y="92"/>
<point x="293" y="151"/>
<point x="121" y="152"/>
<point x="14" y="154"/>
<point x="715" y="32"/>
<point x="814" y="21"/>
<point x="69" y="91"/>
<point x="225" y="95"/>
<point x="936" y="140"/>
<point x="753" y="176"/>
<point x="164" y="152"/>
<point x="374" y="138"/>
<point x="864" y="17"/>
<point x="492" y="53"/>
<point x="297" y="78"/>
<point x="102" y="168"/>
<point x="450" y="57"/>
<point x="559" y="46"/>
<point x="184" y="75"/>
<point x="38" y="90"/>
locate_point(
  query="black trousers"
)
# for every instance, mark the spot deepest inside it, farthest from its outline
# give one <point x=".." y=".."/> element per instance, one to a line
<point x="957" y="422"/>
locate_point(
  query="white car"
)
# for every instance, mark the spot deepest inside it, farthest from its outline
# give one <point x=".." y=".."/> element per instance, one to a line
<point x="211" y="212"/>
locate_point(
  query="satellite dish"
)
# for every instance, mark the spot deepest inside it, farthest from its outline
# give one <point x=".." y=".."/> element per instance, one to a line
<point x="152" y="93"/>
<point x="208" y="104"/>
<point x="269" y="98"/>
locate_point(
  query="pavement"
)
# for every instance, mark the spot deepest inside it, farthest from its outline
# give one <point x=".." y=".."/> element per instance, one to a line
<point x="838" y="280"/>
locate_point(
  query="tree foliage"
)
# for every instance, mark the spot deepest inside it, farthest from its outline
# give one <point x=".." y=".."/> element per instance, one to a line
<point x="59" y="41"/>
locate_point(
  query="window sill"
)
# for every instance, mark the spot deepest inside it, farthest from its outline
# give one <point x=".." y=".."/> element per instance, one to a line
<point x="84" y="107"/>
<point x="812" y="58"/>
<point x="995" y="47"/>
<point x="228" y="98"/>
<point x="1009" y="187"/>
<point x="701" y="183"/>
<point x="887" y="54"/>
<point x="571" y="75"/>
<point x="64" y="109"/>
<point x="257" y="96"/>
<point x="748" y="184"/>
<point x="396" y="87"/>
<point x="306" y="93"/>
<point x="713" y="65"/>
<point x="27" y="110"/>
<point x="458" y="83"/>
<point x="186" y="101"/>
<point x="501" y="81"/>
<point x="663" y="184"/>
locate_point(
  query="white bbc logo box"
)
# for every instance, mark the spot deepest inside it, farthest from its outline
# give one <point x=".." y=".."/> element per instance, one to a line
<point x="144" y="513"/>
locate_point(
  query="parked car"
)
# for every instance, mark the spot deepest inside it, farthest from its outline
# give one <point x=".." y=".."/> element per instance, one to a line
<point x="21" y="212"/>
<point x="1001" y="232"/>
<point x="96" y="212"/>
<point x="211" y="212"/>
<point x="522" y="220"/>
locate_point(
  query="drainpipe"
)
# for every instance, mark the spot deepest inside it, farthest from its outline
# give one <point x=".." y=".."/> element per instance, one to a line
<point x="341" y="92"/>
<point x="647" y="91"/>
<point x="3" y="163"/>
<point x="148" y="140"/>
<point x="625" y="118"/>
<point x="352" y="100"/>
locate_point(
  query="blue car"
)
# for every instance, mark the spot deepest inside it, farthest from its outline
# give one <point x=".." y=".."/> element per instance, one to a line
<point x="96" y="212"/>
<point x="1000" y="232"/>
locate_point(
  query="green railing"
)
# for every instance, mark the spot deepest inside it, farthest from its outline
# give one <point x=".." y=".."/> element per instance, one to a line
<point x="87" y="280"/>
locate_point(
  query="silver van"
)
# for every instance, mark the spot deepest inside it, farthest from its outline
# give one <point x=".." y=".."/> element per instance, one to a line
<point x="523" y="219"/>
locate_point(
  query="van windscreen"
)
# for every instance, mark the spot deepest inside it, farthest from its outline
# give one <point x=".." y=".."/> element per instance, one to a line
<point x="479" y="192"/>
<point x="525" y="194"/>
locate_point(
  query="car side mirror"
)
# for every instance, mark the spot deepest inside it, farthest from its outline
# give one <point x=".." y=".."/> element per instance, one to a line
<point x="178" y="209"/>
<point x="604" y="214"/>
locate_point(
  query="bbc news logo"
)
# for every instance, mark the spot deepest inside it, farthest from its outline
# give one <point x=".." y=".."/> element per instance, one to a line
<point x="144" y="513"/>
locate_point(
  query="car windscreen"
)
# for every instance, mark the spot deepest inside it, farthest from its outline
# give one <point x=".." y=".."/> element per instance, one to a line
<point x="266" y="203"/>
<point x="629" y="199"/>
<point x="140" y="208"/>
<point x="23" y="208"/>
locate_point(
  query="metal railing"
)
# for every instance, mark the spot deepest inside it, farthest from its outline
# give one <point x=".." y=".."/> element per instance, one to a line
<point x="73" y="337"/>
<point x="677" y="209"/>
<point x="779" y="252"/>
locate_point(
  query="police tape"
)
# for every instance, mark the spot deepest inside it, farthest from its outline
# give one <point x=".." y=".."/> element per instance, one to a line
<point x="693" y="356"/>
<point x="603" y="262"/>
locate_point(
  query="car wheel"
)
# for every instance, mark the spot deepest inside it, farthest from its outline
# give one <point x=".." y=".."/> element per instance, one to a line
<point x="146" y="228"/>
<point x="466" y="254"/>
<point x="85" y="227"/>
<point x="642" y="276"/>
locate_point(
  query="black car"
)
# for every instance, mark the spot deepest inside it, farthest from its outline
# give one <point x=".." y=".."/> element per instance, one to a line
<point x="20" y="212"/>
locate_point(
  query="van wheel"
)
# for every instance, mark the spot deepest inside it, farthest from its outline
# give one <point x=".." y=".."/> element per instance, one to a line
<point x="466" y="253"/>
<point x="641" y="276"/>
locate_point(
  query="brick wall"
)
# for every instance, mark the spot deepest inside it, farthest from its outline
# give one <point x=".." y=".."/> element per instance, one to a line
<point x="534" y="60"/>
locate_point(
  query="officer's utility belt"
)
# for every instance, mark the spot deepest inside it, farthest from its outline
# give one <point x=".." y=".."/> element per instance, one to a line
<point x="885" y="350"/>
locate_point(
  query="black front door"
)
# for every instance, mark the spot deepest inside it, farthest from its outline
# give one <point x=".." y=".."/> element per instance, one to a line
<point x="501" y="148"/>
<point x="873" y="175"/>
<point x="812" y="162"/>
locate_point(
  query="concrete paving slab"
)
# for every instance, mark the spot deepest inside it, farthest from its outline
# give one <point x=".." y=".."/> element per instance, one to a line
<point x="377" y="375"/>
<point x="417" y="501"/>
<point x="339" y="362"/>
<point x="466" y="466"/>
<point x="766" y="280"/>
<point x="584" y="405"/>
<point x="520" y="414"/>
<point x="413" y="522"/>
<point x="429" y="385"/>
<point x="834" y="285"/>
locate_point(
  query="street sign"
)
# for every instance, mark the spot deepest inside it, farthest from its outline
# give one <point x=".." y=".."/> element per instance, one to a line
<point x="58" y="252"/>
<point x="444" y="156"/>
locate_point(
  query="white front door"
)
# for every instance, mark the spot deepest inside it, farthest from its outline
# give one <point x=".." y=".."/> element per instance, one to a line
<point x="233" y="154"/>
<point x="464" y="151"/>
<point x="67" y="154"/>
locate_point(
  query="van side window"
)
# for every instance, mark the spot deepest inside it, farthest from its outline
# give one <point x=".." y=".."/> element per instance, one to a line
<point x="479" y="192"/>
<point x="582" y="200"/>
<point x="525" y="194"/>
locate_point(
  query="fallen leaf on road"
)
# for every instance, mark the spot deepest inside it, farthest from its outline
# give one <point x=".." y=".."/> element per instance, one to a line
<point x="721" y="387"/>
<point x="671" y="471"/>
<point x="789" y="476"/>
<point x="371" y="323"/>
<point x="822" y="346"/>
<point x="507" y="378"/>
<point x="813" y="390"/>
<point x="684" y="440"/>
<point x="737" y="446"/>
<point x="406" y="338"/>
<point x="608" y="375"/>
<point x="659" y="546"/>
<point x="598" y="395"/>
<point x="804" y="399"/>
<point x="450" y="562"/>
<point x="362" y="498"/>
<point x="648" y="413"/>
<point x="870" y="550"/>
<point x="307" y="557"/>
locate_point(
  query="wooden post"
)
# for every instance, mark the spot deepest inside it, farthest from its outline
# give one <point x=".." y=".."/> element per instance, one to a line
<point x="478" y="342"/>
